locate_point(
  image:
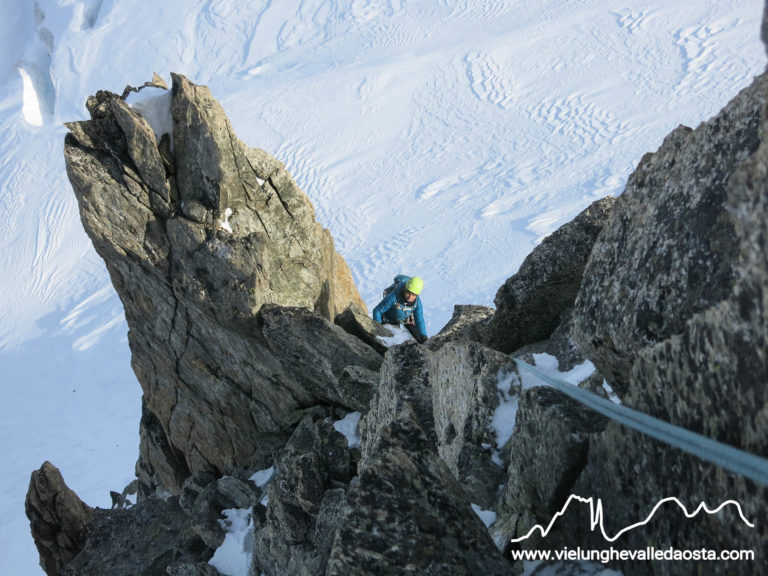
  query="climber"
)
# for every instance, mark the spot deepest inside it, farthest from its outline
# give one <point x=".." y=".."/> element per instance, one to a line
<point x="402" y="303"/>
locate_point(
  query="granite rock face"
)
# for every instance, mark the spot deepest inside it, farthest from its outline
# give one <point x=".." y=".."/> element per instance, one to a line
<point x="669" y="251"/>
<point x="407" y="514"/>
<point x="709" y="373"/>
<point x="530" y="304"/>
<point x="672" y="312"/>
<point x="207" y="241"/>
<point x="452" y="388"/>
<point x="355" y="321"/>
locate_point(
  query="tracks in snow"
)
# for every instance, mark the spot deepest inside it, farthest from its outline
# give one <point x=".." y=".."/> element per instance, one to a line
<point x="488" y="81"/>
<point x="578" y="119"/>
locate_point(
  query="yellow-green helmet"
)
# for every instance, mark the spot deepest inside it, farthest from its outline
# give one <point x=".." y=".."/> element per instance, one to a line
<point x="415" y="285"/>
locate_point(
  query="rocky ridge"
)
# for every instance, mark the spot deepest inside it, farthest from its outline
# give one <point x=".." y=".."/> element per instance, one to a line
<point x="663" y="289"/>
<point x="205" y="240"/>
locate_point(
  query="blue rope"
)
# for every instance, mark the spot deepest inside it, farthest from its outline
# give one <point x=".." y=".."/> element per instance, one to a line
<point x="753" y="467"/>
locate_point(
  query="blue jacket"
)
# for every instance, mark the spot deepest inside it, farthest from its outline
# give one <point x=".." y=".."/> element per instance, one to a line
<point x="394" y="309"/>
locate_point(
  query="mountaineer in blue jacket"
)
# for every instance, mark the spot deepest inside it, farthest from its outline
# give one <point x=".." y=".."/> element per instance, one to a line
<point x="402" y="303"/>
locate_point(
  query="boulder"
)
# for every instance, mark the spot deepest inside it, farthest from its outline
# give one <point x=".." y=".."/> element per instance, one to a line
<point x="316" y="352"/>
<point x="468" y="322"/>
<point x="468" y="382"/>
<point x="356" y="321"/>
<point x="197" y="242"/>
<point x="404" y="384"/>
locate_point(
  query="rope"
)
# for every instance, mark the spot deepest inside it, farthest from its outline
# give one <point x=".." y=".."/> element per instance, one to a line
<point x="753" y="467"/>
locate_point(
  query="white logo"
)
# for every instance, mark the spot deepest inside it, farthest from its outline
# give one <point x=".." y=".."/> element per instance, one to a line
<point x="596" y="516"/>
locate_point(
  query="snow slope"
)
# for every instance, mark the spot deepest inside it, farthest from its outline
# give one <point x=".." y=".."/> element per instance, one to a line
<point x="440" y="138"/>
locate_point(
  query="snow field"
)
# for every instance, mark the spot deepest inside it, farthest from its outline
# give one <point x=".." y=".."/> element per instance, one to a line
<point x="443" y="139"/>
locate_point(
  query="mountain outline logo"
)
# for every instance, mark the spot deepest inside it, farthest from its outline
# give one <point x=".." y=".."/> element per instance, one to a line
<point x="597" y="515"/>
